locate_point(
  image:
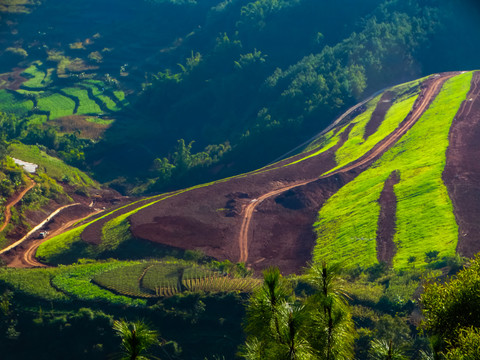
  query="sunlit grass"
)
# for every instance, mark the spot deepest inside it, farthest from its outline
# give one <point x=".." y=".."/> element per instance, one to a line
<point x="87" y="106"/>
<point x="58" y="105"/>
<point x="53" y="167"/>
<point x="347" y="223"/>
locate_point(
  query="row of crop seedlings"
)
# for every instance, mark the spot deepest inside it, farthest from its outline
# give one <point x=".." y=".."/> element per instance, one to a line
<point x="147" y="280"/>
<point x="218" y="283"/>
<point x="124" y="280"/>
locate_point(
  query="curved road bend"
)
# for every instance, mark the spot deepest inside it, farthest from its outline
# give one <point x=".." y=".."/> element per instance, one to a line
<point x="36" y="228"/>
<point x="377" y="150"/>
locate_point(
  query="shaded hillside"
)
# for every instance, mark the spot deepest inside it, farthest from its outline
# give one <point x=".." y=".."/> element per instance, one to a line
<point x="350" y="195"/>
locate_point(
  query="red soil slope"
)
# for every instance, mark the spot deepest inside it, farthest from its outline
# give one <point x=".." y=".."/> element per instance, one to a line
<point x="462" y="170"/>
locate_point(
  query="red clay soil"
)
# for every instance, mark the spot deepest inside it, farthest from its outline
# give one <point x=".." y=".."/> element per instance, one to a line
<point x="378" y="115"/>
<point x="387" y="220"/>
<point x="13" y="80"/>
<point x="462" y="170"/>
<point x="187" y="221"/>
<point x="275" y="208"/>
<point x="91" y="233"/>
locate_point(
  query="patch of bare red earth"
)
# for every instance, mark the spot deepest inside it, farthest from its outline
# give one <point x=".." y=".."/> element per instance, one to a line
<point x="279" y="231"/>
<point x="209" y="218"/>
<point x="12" y="80"/>
<point x="462" y="170"/>
<point x="387" y="220"/>
<point x="378" y="115"/>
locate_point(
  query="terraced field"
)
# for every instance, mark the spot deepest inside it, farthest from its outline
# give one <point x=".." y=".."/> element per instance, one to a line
<point x="368" y="190"/>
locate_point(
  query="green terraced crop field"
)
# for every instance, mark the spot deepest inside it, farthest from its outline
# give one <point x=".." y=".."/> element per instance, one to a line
<point x="57" y="105"/>
<point x="87" y="106"/>
<point x="347" y="224"/>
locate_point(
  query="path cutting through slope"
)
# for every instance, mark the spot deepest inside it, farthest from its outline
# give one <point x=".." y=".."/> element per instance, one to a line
<point x="28" y="257"/>
<point x="13" y="202"/>
<point x="36" y="228"/>
<point x="422" y="104"/>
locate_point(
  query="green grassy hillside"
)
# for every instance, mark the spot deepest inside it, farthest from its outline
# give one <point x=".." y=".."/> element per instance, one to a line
<point x="347" y="224"/>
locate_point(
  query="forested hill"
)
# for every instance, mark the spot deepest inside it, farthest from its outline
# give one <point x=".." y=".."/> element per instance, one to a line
<point x="257" y="78"/>
<point x="192" y="90"/>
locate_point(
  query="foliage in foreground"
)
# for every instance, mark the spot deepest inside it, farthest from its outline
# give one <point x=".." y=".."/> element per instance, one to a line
<point x="281" y="326"/>
<point x="136" y="337"/>
<point x="452" y="313"/>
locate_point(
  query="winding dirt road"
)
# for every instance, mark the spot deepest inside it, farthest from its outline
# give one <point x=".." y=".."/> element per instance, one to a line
<point x="28" y="257"/>
<point x="36" y="228"/>
<point x="412" y="118"/>
<point x="13" y="202"/>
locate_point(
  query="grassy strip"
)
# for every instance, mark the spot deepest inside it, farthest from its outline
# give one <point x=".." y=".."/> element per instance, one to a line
<point x="53" y="167"/>
<point x="355" y="147"/>
<point x="32" y="282"/>
<point x="87" y="106"/>
<point x="98" y="88"/>
<point x="57" y="105"/>
<point x="347" y="223"/>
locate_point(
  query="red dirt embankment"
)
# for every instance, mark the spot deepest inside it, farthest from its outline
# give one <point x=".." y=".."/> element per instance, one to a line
<point x="462" y="170"/>
<point x="387" y="220"/>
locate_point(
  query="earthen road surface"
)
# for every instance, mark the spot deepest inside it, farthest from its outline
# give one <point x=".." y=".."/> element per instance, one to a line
<point x="36" y="228"/>
<point x="428" y="97"/>
<point x="13" y="202"/>
<point x="28" y="257"/>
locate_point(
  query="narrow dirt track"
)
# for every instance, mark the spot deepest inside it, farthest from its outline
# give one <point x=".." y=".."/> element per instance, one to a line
<point x="36" y="228"/>
<point x="13" y="202"/>
<point x="412" y="118"/>
<point x="28" y="257"/>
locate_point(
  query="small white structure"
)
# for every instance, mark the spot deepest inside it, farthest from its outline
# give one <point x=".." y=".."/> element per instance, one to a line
<point x="28" y="167"/>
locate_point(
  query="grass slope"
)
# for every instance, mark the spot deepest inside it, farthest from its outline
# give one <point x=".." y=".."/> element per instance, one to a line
<point x="58" y="105"/>
<point x="347" y="223"/>
<point x="53" y="167"/>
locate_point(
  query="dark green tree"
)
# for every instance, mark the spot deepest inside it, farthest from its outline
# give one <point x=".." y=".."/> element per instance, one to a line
<point x="137" y="338"/>
<point x="452" y="311"/>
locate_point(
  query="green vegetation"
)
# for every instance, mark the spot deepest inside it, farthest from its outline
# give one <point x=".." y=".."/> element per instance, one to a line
<point x="136" y="337"/>
<point x="86" y="106"/>
<point x="37" y="78"/>
<point x="356" y="146"/>
<point x="53" y="167"/>
<point x="34" y="282"/>
<point x="9" y="103"/>
<point x="98" y="89"/>
<point x="282" y="326"/>
<point x="452" y="313"/>
<point x="56" y="105"/>
<point x="76" y="282"/>
<point x="347" y="223"/>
